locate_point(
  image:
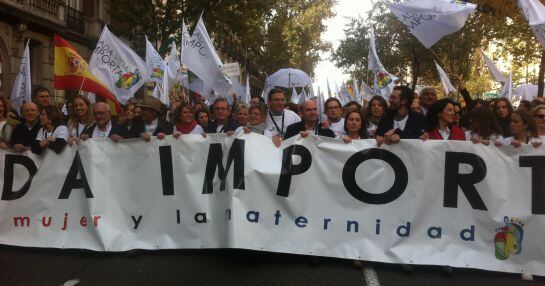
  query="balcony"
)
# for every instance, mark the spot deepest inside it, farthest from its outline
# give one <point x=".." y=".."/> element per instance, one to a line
<point x="50" y="9"/>
<point x="74" y="19"/>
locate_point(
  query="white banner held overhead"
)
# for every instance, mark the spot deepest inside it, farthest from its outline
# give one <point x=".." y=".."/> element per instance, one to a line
<point x="534" y="12"/>
<point x="201" y="58"/>
<point x="118" y="66"/>
<point x="156" y="64"/>
<point x="434" y="203"/>
<point x="384" y="81"/>
<point x="431" y="20"/>
<point x="447" y="85"/>
<point x="22" y="87"/>
<point x="231" y="69"/>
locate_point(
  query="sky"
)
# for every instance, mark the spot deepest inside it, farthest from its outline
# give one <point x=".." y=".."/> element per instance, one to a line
<point x="334" y="34"/>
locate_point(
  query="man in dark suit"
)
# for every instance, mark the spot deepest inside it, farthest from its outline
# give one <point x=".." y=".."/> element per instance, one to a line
<point x="223" y="123"/>
<point x="400" y="122"/>
<point x="104" y="127"/>
<point x="24" y="134"/>
<point x="151" y="122"/>
<point x="309" y="125"/>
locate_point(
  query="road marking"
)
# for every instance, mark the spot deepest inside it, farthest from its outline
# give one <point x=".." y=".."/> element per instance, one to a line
<point x="371" y="277"/>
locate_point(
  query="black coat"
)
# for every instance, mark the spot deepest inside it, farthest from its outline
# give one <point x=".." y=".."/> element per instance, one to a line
<point x="415" y="127"/>
<point x="117" y="129"/>
<point x="230" y="125"/>
<point x="297" y="127"/>
<point x="139" y="126"/>
<point x="22" y="135"/>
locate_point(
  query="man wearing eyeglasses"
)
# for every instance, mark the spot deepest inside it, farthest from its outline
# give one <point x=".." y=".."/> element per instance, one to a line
<point x="334" y="113"/>
<point x="278" y="118"/>
<point x="223" y="123"/>
<point x="104" y="127"/>
<point x="428" y="96"/>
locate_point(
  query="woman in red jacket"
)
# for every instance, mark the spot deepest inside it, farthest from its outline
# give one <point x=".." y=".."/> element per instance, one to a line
<point x="441" y="125"/>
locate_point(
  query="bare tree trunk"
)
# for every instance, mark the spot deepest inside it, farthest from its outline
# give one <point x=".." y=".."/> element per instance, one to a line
<point x="541" y="77"/>
<point x="416" y="71"/>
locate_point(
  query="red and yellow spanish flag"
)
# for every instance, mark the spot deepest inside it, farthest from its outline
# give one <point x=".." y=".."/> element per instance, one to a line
<point x="71" y="72"/>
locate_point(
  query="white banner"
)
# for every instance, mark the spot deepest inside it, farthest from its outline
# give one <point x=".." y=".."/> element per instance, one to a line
<point x="496" y="73"/>
<point x="534" y="12"/>
<point x="447" y="85"/>
<point x="201" y="58"/>
<point x="156" y="64"/>
<point x="384" y="81"/>
<point x="431" y="20"/>
<point x="434" y="203"/>
<point x="21" y="91"/>
<point x="118" y="66"/>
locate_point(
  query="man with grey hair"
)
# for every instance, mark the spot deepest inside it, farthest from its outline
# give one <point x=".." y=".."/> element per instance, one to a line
<point x="428" y="96"/>
<point x="223" y="123"/>
<point x="104" y="127"/>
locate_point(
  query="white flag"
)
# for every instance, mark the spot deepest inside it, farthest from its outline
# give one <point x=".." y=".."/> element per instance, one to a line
<point x="247" y="92"/>
<point x="185" y="40"/>
<point x="173" y="64"/>
<point x="118" y="66"/>
<point x="156" y="92"/>
<point x="384" y="81"/>
<point x="165" y="87"/>
<point x="294" y="96"/>
<point x="320" y="105"/>
<point x="367" y="91"/>
<point x="431" y="20"/>
<point x="155" y="63"/>
<point x="336" y="93"/>
<point x="496" y="73"/>
<point x="507" y="90"/>
<point x="201" y="58"/>
<point x="302" y="97"/>
<point x="21" y="91"/>
<point x="534" y="12"/>
<point x="447" y="85"/>
<point x="356" y="90"/>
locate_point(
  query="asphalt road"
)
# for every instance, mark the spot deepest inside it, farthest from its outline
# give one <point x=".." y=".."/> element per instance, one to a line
<point x="31" y="266"/>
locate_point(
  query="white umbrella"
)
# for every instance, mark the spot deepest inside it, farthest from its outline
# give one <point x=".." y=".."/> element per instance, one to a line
<point x="289" y="78"/>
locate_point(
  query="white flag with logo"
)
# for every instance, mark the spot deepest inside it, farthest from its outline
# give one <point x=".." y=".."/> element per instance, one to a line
<point x="507" y="90"/>
<point x="384" y="81"/>
<point x="431" y="20"/>
<point x="534" y="12"/>
<point x="366" y="91"/>
<point x="21" y="91"/>
<point x="357" y="95"/>
<point x="156" y="64"/>
<point x="118" y="66"/>
<point x="201" y="58"/>
<point x="447" y="85"/>
<point x="496" y="73"/>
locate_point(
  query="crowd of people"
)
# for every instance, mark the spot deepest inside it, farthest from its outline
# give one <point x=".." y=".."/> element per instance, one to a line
<point x="41" y="125"/>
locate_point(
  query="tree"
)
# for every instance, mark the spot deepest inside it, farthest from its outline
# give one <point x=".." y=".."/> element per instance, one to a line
<point x="268" y="33"/>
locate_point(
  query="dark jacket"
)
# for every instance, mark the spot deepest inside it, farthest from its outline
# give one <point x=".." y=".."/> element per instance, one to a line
<point x="297" y="127"/>
<point x="117" y="129"/>
<point x="416" y="125"/>
<point x="230" y="125"/>
<point x="22" y="135"/>
<point x="505" y="125"/>
<point x="139" y="126"/>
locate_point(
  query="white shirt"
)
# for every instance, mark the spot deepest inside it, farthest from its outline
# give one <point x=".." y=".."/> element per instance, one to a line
<point x="97" y="133"/>
<point x="60" y="132"/>
<point x="338" y="127"/>
<point x="401" y="123"/>
<point x="76" y="132"/>
<point x="150" y="128"/>
<point x="444" y="134"/>
<point x="290" y="117"/>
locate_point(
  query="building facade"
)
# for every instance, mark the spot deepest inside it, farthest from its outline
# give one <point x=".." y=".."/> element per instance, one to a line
<point x="78" y="21"/>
